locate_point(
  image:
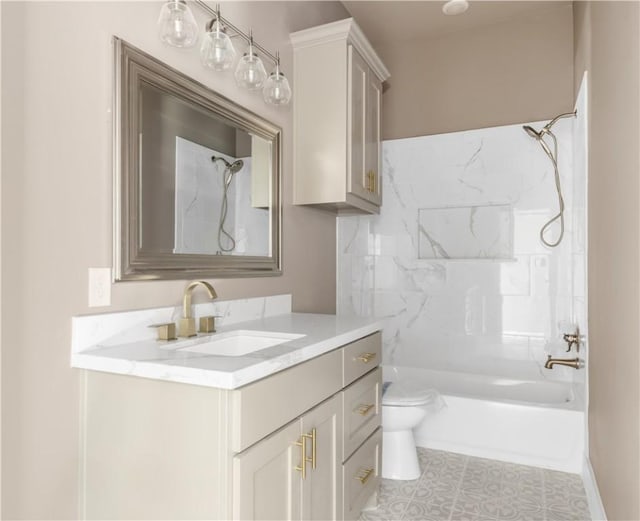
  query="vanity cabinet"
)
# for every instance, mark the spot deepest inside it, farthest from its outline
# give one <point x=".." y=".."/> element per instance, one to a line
<point x="269" y="484"/>
<point x="154" y="449"/>
<point x="337" y="104"/>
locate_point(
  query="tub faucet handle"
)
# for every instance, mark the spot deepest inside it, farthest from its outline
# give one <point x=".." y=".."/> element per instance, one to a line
<point x="572" y="339"/>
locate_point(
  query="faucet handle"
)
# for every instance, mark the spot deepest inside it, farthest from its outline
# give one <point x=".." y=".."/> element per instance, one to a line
<point x="207" y="324"/>
<point x="572" y="339"/>
<point x="166" y="331"/>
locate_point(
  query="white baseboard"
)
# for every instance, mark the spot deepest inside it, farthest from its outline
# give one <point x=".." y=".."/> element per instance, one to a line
<point x="593" y="495"/>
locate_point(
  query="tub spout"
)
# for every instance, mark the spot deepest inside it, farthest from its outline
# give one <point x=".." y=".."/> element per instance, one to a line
<point x="576" y="363"/>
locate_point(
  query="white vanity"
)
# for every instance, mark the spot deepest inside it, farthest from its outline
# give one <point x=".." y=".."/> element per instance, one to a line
<point x="290" y="431"/>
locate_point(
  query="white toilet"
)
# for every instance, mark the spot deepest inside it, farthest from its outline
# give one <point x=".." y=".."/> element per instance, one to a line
<point x="403" y="408"/>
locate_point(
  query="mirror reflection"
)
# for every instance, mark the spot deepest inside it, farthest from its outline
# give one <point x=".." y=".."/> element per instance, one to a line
<point x="206" y="185"/>
<point x="198" y="190"/>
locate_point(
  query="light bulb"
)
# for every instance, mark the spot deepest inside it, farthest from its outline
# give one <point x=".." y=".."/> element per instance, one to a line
<point x="276" y="89"/>
<point x="176" y="25"/>
<point x="250" y="72"/>
<point x="217" y="51"/>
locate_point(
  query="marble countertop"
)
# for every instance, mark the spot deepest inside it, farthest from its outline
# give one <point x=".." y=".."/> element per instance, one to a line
<point x="164" y="360"/>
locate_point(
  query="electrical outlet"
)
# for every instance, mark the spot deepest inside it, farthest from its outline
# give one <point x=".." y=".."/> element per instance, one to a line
<point x="99" y="287"/>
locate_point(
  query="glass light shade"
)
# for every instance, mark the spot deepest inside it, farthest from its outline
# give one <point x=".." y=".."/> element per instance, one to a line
<point x="276" y="90"/>
<point x="455" y="7"/>
<point x="250" y="72"/>
<point x="217" y="51"/>
<point x="176" y="25"/>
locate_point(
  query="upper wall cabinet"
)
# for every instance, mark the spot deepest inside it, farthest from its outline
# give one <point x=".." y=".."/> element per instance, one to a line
<point x="337" y="103"/>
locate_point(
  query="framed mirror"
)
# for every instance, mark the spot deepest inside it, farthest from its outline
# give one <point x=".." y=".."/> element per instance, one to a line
<point x="197" y="191"/>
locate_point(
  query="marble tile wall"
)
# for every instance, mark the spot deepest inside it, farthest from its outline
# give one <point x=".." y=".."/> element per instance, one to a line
<point x="490" y="288"/>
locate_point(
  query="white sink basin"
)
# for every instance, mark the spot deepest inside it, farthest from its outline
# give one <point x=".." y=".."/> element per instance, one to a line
<point x="240" y="342"/>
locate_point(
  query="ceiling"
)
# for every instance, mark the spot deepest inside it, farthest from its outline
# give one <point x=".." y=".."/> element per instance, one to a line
<point x="394" y="20"/>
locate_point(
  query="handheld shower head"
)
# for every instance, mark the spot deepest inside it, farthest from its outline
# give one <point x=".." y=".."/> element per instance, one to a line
<point x="532" y="132"/>
<point x="233" y="167"/>
<point x="236" y="166"/>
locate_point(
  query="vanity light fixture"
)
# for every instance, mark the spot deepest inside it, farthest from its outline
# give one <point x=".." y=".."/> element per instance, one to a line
<point x="250" y="72"/>
<point x="177" y="27"/>
<point x="217" y="51"/>
<point x="276" y="89"/>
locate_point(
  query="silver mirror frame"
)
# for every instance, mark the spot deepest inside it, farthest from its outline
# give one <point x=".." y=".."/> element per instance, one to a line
<point x="130" y="261"/>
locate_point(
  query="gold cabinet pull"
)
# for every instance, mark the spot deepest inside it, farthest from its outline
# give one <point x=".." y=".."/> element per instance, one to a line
<point x="366" y="357"/>
<point x="303" y="456"/>
<point x="363" y="475"/>
<point x="313" y="447"/>
<point x="303" y="452"/>
<point x="365" y="409"/>
<point x="371" y="181"/>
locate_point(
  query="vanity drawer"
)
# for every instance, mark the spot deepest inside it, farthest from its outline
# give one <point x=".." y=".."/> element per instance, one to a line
<point x="360" y="357"/>
<point x="262" y="407"/>
<point x="361" y="410"/>
<point x="361" y="475"/>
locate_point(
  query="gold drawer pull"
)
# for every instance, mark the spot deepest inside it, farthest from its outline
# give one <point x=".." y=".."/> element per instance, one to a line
<point x="365" y="409"/>
<point x="366" y="357"/>
<point x="363" y="475"/>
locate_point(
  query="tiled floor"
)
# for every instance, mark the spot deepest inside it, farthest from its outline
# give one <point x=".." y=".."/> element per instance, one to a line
<point x="462" y="488"/>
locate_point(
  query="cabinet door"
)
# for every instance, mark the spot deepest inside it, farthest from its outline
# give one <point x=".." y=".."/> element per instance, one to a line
<point x="373" y="152"/>
<point x="266" y="484"/>
<point x="356" y="123"/>
<point x="322" y="488"/>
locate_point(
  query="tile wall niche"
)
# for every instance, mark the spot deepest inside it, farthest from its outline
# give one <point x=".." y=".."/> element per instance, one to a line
<point x="454" y="262"/>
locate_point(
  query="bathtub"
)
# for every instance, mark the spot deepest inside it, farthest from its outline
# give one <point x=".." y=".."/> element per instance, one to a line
<point x="531" y="422"/>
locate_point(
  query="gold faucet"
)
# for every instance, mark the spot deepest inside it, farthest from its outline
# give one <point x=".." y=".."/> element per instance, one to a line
<point x="187" y="324"/>
<point x="576" y="363"/>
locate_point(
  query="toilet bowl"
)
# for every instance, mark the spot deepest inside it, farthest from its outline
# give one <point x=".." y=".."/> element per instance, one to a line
<point x="403" y="409"/>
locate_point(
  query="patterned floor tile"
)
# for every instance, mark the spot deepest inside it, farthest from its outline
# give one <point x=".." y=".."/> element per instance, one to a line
<point x="455" y="487"/>
<point x="432" y="510"/>
<point x="398" y="488"/>
<point x="389" y="509"/>
<point x="428" y="489"/>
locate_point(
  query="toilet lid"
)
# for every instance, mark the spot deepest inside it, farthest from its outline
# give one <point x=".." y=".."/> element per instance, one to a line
<point x="407" y="394"/>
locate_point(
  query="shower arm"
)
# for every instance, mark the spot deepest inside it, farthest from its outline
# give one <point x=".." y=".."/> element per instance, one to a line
<point x="548" y="126"/>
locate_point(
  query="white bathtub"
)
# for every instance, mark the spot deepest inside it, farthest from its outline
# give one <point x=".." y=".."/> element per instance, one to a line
<point x="531" y="422"/>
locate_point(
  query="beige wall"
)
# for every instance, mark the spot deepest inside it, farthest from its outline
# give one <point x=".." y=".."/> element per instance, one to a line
<point x="607" y="44"/>
<point x="56" y="216"/>
<point x="509" y="72"/>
